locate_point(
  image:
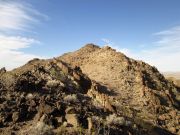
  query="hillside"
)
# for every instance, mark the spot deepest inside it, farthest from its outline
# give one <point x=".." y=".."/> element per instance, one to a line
<point x="47" y="97"/>
<point x="90" y="91"/>
<point x="138" y="87"/>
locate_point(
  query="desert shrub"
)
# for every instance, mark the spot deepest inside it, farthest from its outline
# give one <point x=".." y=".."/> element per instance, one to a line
<point x="43" y="128"/>
<point x="52" y="83"/>
<point x="97" y="104"/>
<point x="115" y="120"/>
<point x="58" y="74"/>
<point x="39" y="129"/>
<point x="76" y="85"/>
<point x="96" y="119"/>
<point x="71" y="131"/>
<point x="29" y="96"/>
<point x="71" y="98"/>
<point x="97" y="124"/>
<point x="61" y="130"/>
<point x="100" y="126"/>
<point x="141" y="122"/>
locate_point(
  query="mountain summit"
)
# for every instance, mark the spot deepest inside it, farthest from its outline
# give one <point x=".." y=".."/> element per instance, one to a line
<point x="136" y="84"/>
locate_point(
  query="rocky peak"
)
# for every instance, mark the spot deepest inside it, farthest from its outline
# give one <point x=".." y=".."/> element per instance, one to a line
<point x="90" y="47"/>
<point x="136" y="84"/>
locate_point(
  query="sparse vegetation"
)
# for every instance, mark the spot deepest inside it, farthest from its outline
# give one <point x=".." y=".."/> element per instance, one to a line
<point x="40" y="128"/>
<point x="58" y="74"/>
<point x="97" y="104"/>
<point x="113" y="119"/>
<point x="71" y="98"/>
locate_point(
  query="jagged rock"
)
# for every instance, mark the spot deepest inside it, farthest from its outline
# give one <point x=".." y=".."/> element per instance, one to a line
<point x="173" y="113"/>
<point x="15" y="116"/>
<point x="60" y="120"/>
<point x="62" y="66"/>
<point x="90" y="124"/>
<point x="76" y="76"/>
<point x="172" y="129"/>
<point x="32" y="103"/>
<point x="45" y="109"/>
<point x="3" y="70"/>
<point x="101" y="97"/>
<point x="70" y="110"/>
<point x="72" y="119"/>
<point x="52" y="84"/>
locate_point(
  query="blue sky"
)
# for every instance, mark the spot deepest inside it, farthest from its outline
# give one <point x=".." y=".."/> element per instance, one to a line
<point x="146" y="30"/>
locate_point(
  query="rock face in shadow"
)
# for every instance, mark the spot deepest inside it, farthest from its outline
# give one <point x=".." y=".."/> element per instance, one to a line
<point x="91" y="91"/>
<point x="41" y="87"/>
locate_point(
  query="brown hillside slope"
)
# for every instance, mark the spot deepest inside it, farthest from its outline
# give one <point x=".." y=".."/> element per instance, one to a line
<point x="139" y="89"/>
<point x="47" y="97"/>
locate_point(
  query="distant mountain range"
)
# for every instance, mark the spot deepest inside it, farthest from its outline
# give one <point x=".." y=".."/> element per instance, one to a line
<point x="172" y="74"/>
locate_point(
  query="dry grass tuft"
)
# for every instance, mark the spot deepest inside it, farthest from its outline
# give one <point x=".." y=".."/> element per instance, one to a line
<point x="115" y="120"/>
<point x="71" y="98"/>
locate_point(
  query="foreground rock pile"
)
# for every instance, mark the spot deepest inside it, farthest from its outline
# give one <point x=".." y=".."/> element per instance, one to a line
<point x="48" y="97"/>
<point x="111" y="95"/>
